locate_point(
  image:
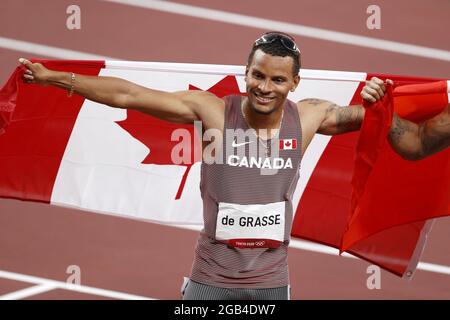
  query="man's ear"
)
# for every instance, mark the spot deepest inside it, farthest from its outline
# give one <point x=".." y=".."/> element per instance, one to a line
<point x="246" y="72"/>
<point x="296" y="82"/>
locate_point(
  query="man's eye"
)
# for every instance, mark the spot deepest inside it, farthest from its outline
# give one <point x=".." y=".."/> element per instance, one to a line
<point x="257" y="76"/>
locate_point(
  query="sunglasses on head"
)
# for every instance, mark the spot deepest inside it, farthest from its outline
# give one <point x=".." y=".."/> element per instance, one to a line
<point x="286" y="40"/>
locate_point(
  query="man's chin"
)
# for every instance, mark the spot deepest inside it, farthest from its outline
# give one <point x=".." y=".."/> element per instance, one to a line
<point x="262" y="109"/>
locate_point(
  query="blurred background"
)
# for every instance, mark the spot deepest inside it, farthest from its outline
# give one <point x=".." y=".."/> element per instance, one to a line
<point x="130" y="257"/>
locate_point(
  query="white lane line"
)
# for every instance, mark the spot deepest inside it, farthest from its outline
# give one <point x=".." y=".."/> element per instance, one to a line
<point x="433" y="268"/>
<point x="117" y="63"/>
<point x="315" y="247"/>
<point x="294" y="29"/>
<point x="48" y="51"/>
<point x="309" y="246"/>
<point x="69" y="286"/>
<point x="25" y="293"/>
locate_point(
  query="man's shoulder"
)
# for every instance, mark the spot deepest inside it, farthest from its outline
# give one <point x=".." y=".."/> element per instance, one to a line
<point x="312" y="102"/>
<point x="232" y="96"/>
<point x="311" y="105"/>
<point x="202" y="99"/>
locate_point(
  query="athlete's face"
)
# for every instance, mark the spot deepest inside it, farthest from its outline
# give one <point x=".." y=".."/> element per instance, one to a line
<point x="269" y="80"/>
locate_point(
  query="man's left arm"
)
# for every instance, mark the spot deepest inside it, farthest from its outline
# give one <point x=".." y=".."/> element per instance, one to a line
<point x="416" y="141"/>
<point x="339" y="120"/>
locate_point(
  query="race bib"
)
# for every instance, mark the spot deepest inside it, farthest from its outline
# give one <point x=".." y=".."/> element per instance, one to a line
<point x="251" y="225"/>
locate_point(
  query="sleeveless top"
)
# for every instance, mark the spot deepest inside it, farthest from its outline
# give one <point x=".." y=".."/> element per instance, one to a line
<point x="247" y="204"/>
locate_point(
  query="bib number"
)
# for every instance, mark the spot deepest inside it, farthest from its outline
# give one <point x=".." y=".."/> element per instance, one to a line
<point x="251" y="225"/>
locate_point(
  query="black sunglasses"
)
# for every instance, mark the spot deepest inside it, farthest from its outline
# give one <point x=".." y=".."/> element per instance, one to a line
<point x="286" y="40"/>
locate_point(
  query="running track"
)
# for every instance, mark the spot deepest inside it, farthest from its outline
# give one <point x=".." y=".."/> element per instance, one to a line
<point x="121" y="258"/>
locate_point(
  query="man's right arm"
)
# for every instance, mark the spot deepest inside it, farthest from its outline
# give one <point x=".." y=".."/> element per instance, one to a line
<point x="179" y="107"/>
<point x="416" y="141"/>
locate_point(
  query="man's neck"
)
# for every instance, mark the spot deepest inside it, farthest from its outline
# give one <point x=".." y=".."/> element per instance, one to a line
<point x="263" y="123"/>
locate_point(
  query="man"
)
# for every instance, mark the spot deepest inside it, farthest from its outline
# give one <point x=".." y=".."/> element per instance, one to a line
<point x="410" y="140"/>
<point x="247" y="198"/>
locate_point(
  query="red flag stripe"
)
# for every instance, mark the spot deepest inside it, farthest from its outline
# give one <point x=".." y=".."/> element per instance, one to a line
<point x="38" y="129"/>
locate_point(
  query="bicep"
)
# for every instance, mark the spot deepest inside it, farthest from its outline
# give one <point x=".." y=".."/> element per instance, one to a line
<point x="405" y="138"/>
<point x="436" y="133"/>
<point x="178" y="107"/>
<point x="414" y="142"/>
<point x="339" y="120"/>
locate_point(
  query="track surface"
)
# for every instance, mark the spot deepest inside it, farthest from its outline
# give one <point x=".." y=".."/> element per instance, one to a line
<point x="149" y="260"/>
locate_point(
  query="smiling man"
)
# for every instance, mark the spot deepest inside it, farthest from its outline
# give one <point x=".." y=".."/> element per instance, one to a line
<point x="247" y="206"/>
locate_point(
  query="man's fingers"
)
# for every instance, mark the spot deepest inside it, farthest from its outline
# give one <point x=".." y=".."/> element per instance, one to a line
<point x="24" y="61"/>
<point x="372" y="92"/>
<point x="381" y="84"/>
<point x="374" y="89"/>
<point x="367" y="97"/>
<point x="28" y="78"/>
<point x="377" y="80"/>
<point x="383" y="88"/>
<point x="380" y="89"/>
<point x="27" y="63"/>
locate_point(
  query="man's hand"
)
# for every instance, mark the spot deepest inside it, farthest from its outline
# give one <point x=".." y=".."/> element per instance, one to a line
<point x="35" y="72"/>
<point x="374" y="89"/>
<point x="178" y="107"/>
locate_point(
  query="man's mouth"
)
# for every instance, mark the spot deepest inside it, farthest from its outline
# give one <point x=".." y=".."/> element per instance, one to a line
<point x="263" y="99"/>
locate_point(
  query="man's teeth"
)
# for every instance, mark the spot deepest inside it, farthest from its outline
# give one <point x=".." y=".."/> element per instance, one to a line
<point x="264" y="99"/>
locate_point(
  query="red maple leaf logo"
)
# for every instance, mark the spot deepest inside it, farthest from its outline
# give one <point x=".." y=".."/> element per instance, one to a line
<point x="156" y="133"/>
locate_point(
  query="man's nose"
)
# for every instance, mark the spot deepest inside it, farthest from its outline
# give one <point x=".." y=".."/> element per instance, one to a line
<point x="265" y="86"/>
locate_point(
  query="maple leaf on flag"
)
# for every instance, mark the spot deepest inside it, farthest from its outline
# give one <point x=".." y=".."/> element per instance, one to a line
<point x="156" y="133"/>
<point x="224" y="87"/>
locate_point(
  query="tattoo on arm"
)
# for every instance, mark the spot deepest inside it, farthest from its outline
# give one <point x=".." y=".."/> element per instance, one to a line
<point x="414" y="142"/>
<point x="338" y="119"/>
<point x="347" y="118"/>
<point x="398" y="129"/>
<point x="435" y="134"/>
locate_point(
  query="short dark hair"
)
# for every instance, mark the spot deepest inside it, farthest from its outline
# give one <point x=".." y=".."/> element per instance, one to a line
<point x="277" y="49"/>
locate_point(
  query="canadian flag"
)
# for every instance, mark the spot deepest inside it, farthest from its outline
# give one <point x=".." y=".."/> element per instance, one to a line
<point x="288" y="144"/>
<point x="74" y="152"/>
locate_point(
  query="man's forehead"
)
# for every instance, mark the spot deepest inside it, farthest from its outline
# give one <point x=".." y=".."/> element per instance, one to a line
<point x="267" y="62"/>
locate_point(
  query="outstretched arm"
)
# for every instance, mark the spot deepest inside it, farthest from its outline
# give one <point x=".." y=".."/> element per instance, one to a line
<point x="414" y="142"/>
<point x="325" y="117"/>
<point x="331" y="118"/>
<point x="180" y="107"/>
<point x="337" y="120"/>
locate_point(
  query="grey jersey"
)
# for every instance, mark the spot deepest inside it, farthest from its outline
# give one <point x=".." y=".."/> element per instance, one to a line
<point x="238" y="189"/>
